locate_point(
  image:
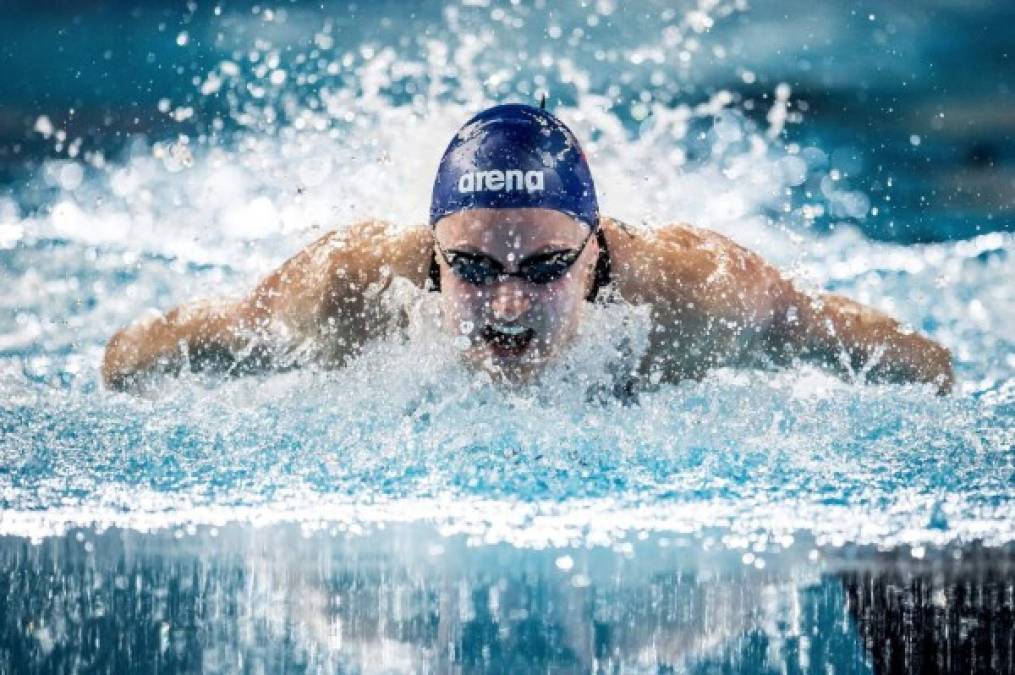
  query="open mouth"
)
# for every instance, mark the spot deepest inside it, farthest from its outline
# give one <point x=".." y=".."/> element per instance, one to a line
<point x="507" y="340"/>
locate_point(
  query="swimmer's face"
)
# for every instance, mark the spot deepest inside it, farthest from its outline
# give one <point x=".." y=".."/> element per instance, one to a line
<point x="513" y="325"/>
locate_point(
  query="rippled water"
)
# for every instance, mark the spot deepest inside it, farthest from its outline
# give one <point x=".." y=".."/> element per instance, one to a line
<point x="299" y="124"/>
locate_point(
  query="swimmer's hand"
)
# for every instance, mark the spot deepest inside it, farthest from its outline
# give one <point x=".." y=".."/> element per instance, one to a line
<point x="320" y="306"/>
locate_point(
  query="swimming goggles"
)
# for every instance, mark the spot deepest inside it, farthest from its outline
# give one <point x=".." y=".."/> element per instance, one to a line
<point x="480" y="269"/>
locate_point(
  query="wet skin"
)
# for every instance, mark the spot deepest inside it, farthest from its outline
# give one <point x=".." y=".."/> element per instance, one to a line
<point x="712" y="303"/>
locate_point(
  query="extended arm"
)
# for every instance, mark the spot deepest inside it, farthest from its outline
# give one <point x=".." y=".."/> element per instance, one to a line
<point x="714" y="303"/>
<point x="320" y="304"/>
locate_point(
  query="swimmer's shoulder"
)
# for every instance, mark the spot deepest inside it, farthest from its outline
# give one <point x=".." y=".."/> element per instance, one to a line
<point x="374" y="251"/>
<point x="648" y="262"/>
<point x="693" y="273"/>
<point x="638" y="238"/>
<point x="338" y="271"/>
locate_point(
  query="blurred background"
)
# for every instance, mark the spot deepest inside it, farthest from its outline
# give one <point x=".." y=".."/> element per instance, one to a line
<point x="912" y="101"/>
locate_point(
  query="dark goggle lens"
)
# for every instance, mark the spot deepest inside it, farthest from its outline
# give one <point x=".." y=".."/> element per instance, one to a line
<point x="545" y="271"/>
<point x="474" y="270"/>
<point x="484" y="272"/>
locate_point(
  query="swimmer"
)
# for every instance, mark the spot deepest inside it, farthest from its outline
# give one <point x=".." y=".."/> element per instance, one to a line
<point x="516" y="247"/>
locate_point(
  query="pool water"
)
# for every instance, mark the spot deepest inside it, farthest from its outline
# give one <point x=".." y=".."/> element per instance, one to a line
<point x="404" y="514"/>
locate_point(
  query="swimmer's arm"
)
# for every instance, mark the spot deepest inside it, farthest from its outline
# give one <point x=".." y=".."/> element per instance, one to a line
<point x="728" y="304"/>
<point x="851" y="338"/>
<point x="321" y="296"/>
<point x="742" y="290"/>
<point x="201" y="335"/>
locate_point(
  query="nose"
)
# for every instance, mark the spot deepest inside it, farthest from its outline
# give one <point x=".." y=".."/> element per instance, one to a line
<point x="510" y="301"/>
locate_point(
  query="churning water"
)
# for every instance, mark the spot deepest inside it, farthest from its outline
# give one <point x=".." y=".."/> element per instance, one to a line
<point x="404" y="514"/>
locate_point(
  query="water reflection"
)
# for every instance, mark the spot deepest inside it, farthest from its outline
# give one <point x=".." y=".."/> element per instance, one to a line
<point x="274" y="599"/>
<point x="938" y="622"/>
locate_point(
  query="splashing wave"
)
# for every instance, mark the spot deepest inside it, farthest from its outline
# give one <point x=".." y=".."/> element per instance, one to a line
<point x="323" y="134"/>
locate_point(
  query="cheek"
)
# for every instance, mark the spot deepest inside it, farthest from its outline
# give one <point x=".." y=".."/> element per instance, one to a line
<point x="462" y="301"/>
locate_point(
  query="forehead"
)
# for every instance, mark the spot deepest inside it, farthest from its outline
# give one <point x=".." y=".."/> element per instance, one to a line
<point x="510" y="229"/>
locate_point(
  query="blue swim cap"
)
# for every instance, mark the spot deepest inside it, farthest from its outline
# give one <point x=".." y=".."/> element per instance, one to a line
<point x="515" y="156"/>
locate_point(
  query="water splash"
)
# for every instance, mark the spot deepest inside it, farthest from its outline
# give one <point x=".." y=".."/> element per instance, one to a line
<point x="277" y="145"/>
